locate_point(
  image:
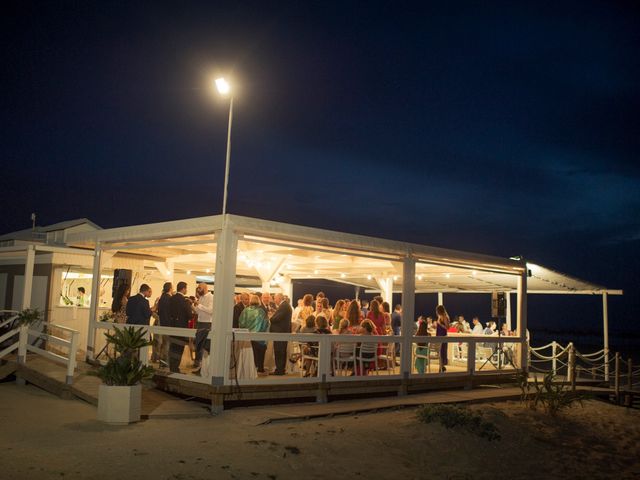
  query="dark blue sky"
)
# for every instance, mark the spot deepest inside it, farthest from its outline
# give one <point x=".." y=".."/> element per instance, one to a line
<point x="494" y="127"/>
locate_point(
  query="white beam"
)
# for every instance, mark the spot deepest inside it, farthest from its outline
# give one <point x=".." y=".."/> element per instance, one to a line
<point x="224" y="289"/>
<point x="28" y="276"/>
<point x="408" y="313"/>
<point x="522" y="319"/>
<point x="605" y="336"/>
<point x="95" y="301"/>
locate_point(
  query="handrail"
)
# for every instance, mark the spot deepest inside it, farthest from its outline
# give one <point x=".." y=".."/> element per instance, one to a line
<point x="8" y="320"/>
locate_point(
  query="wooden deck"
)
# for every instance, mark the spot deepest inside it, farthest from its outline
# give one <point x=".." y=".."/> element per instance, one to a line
<point x="51" y="376"/>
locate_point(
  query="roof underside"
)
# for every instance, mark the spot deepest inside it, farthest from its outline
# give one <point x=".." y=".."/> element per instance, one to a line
<point x="270" y="251"/>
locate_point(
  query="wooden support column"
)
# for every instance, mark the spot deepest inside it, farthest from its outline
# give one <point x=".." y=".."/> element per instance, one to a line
<point x="522" y="319"/>
<point x="408" y="313"/>
<point x="605" y="334"/>
<point x="95" y="301"/>
<point x="224" y="288"/>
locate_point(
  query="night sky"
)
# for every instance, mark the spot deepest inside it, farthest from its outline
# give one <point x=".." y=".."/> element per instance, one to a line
<point x="501" y="128"/>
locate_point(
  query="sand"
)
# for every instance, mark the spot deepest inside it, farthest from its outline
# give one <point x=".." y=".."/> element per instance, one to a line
<point x="42" y="436"/>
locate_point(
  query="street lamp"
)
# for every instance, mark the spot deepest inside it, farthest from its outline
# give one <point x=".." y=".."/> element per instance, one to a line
<point x="224" y="89"/>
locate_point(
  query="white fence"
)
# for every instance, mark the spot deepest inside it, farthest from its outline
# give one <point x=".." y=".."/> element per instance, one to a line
<point x="23" y="342"/>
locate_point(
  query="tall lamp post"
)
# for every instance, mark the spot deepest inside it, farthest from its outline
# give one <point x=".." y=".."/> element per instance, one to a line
<point x="224" y="89"/>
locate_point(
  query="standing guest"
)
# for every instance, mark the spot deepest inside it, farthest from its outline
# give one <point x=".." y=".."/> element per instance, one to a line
<point x="354" y="316"/>
<point x="343" y="328"/>
<point x="442" y="326"/>
<point x="422" y="349"/>
<point x="318" y="300"/>
<point x="138" y="309"/>
<point x="239" y="307"/>
<point x="119" y="304"/>
<point x="164" y="319"/>
<point x="254" y="318"/>
<point x="396" y="324"/>
<point x="365" y="308"/>
<point x="280" y="322"/>
<point x="295" y="314"/>
<point x="322" y="325"/>
<point x="386" y="312"/>
<point x="339" y="311"/>
<point x="180" y="312"/>
<point x="324" y="310"/>
<point x="204" y="309"/>
<point x="477" y="326"/>
<point x="377" y="317"/>
<point x="306" y="310"/>
<point x="267" y="304"/>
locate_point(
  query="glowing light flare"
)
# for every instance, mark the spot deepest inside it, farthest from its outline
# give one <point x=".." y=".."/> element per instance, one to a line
<point x="222" y="86"/>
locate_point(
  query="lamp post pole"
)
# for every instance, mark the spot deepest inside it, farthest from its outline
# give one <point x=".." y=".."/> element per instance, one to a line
<point x="226" y="169"/>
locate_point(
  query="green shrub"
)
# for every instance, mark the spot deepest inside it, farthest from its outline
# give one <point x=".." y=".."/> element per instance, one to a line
<point x="455" y="416"/>
<point x="552" y="396"/>
<point x="125" y="368"/>
<point x="29" y="317"/>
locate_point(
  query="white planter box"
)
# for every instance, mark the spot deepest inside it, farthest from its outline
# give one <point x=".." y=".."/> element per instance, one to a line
<point x="119" y="405"/>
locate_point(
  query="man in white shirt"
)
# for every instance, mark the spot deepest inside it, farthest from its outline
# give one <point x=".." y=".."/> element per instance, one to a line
<point x="204" y="309"/>
<point x="477" y="327"/>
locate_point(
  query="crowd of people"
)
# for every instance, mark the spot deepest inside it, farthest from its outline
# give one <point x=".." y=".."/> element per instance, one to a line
<point x="265" y="312"/>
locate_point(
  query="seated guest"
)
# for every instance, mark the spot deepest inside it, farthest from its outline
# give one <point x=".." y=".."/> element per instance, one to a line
<point x="367" y="328"/>
<point x="309" y="325"/>
<point x="465" y="327"/>
<point x="254" y="318"/>
<point x="491" y="328"/>
<point x="343" y="328"/>
<point x="505" y="330"/>
<point x="477" y="326"/>
<point x="431" y="326"/>
<point x="322" y="325"/>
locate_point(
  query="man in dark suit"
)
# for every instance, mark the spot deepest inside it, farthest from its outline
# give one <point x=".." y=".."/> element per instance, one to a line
<point x="138" y="309"/>
<point x="180" y="313"/>
<point x="239" y="307"/>
<point x="280" y="323"/>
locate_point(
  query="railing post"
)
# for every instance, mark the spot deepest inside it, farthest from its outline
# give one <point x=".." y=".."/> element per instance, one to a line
<point x="629" y="374"/>
<point x="324" y="367"/>
<point x="144" y="351"/>
<point x="471" y="357"/>
<point x="23" y="339"/>
<point x="554" y="360"/>
<point x="616" y="384"/>
<point x="71" y="365"/>
<point x="571" y="367"/>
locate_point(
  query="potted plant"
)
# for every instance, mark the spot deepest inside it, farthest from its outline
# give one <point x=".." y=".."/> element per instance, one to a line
<point x="120" y="395"/>
<point x="29" y="317"/>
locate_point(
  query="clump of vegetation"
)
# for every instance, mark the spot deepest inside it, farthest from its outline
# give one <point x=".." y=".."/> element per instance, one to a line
<point x="125" y="368"/>
<point x="455" y="416"/>
<point x="551" y="395"/>
<point x="29" y="317"/>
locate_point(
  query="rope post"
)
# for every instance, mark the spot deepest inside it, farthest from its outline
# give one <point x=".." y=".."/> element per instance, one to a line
<point x="616" y="384"/>
<point x="629" y="374"/>
<point x="554" y="362"/>
<point x="572" y="366"/>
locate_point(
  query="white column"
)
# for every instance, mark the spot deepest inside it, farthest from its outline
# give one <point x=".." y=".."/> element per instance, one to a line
<point x="226" y="254"/>
<point x="605" y="334"/>
<point x="28" y="276"/>
<point x="287" y="289"/>
<point x="95" y="301"/>
<point x="522" y="318"/>
<point x="440" y="298"/>
<point x="266" y="287"/>
<point x="386" y="289"/>
<point x="408" y="312"/>
<point x="508" y="312"/>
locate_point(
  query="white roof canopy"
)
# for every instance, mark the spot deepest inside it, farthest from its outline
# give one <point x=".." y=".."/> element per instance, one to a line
<point x="276" y="250"/>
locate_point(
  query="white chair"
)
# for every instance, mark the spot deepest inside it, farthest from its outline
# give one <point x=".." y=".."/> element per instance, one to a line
<point x="345" y="357"/>
<point x="309" y="358"/>
<point x="388" y="356"/>
<point x="368" y="354"/>
<point x="424" y="355"/>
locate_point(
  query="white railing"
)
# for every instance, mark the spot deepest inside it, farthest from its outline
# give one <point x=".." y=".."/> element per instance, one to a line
<point x="23" y="344"/>
<point x="471" y="361"/>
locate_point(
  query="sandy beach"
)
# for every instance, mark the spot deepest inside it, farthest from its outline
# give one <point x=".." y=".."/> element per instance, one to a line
<point x="43" y="436"/>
